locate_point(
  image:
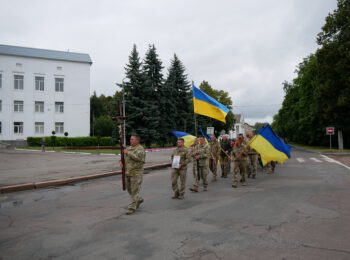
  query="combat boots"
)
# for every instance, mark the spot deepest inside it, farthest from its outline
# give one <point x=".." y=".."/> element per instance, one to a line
<point x="205" y="188"/>
<point x="139" y="203"/>
<point x="130" y="211"/>
<point x="176" y="195"/>
<point x="194" y="188"/>
<point x="213" y="179"/>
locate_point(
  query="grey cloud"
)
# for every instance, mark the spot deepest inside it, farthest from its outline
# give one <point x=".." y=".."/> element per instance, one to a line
<point x="247" y="48"/>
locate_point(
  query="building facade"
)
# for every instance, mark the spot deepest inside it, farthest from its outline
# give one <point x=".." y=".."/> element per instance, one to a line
<point x="43" y="91"/>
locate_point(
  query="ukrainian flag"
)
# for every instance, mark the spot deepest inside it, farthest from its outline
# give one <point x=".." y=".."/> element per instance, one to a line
<point x="208" y="106"/>
<point x="270" y="146"/>
<point x="189" y="139"/>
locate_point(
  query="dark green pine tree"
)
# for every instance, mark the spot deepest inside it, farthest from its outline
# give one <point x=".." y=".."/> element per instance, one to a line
<point x="179" y="97"/>
<point x="151" y="117"/>
<point x="133" y="91"/>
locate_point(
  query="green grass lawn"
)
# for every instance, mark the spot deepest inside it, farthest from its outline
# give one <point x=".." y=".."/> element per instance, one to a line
<point x="62" y="149"/>
<point x="322" y="149"/>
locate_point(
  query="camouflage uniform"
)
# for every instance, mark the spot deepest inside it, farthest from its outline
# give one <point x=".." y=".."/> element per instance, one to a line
<point x="194" y="162"/>
<point x="252" y="162"/>
<point x="203" y="150"/>
<point x="214" y="157"/>
<point x="185" y="158"/>
<point x="271" y="167"/>
<point x="134" y="160"/>
<point x="224" y="159"/>
<point x="240" y="159"/>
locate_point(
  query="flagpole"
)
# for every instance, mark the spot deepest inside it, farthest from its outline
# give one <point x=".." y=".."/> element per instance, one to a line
<point x="194" y="114"/>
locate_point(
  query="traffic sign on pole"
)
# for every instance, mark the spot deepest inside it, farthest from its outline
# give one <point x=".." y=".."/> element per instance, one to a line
<point x="330" y="130"/>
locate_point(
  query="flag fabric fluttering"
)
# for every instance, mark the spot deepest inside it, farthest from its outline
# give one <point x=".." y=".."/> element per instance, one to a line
<point x="207" y="106"/>
<point x="207" y="137"/>
<point x="189" y="139"/>
<point x="270" y="146"/>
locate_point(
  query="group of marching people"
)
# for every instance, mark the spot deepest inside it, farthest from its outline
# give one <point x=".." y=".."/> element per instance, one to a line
<point x="206" y="156"/>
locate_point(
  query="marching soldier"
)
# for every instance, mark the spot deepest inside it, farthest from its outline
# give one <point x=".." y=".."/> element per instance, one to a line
<point x="194" y="165"/>
<point x="240" y="154"/>
<point x="252" y="159"/>
<point x="181" y="170"/>
<point x="226" y="149"/>
<point x="201" y="160"/>
<point x="214" y="156"/>
<point x="271" y="167"/>
<point x="134" y="160"/>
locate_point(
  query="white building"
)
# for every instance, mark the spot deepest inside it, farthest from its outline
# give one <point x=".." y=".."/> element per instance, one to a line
<point x="43" y="91"/>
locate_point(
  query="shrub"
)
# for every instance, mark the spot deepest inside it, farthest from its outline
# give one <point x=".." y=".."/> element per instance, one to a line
<point x="73" y="141"/>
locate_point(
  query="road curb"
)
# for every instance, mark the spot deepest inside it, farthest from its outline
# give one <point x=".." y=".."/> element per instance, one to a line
<point x="53" y="183"/>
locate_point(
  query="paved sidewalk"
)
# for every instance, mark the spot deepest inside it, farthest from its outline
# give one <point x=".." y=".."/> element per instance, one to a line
<point x="343" y="158"/>
<point x="17" y="167"/>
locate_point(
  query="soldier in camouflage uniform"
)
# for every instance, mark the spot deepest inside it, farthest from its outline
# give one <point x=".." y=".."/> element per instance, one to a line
<point x="201" y="160"/>
<point x="180" y="172"/>
<point x="271" y="167"/>
<point x="252" y="159"/>
<point x="214" y="156"/>
<point x="193" y="148"/>
<point x="240" y="158"/>
<point x="225" y="161"/>
<point x="134" y="161"/>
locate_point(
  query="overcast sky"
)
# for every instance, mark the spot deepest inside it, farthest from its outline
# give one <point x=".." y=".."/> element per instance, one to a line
<point x="245" y="47"/>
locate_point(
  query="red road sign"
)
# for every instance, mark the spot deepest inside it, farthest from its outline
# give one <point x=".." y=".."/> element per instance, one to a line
<point x="330" y="130"/>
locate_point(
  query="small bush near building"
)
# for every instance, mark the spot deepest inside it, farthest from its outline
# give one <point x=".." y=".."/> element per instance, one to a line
<point x="72" y="141"/>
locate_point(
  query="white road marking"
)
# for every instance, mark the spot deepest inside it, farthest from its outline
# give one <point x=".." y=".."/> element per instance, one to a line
<point x="18" y="149"/>
<point x="107" y="154"/>
<point x="334" y="161"/>
<point x="301" y="160"/>
<point x="314" y="159"/>
<point x="328" y="159"/>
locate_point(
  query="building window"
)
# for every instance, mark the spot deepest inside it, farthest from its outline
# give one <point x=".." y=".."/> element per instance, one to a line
<point x="39" y="106"/>
<point x="0" y="127"/>
<point x="39" y="127"/>
<point x="18" y="82"/>
<point x="18" y="127"/>
<point x="0" y="80"/>
<point x="0" y="105"/>
<point x="39" y="83"/>
<point x="59" y="84"/>
<point x="59" y="107"/>
<point x="59" y="127"/>
<point x="18" y="106"/>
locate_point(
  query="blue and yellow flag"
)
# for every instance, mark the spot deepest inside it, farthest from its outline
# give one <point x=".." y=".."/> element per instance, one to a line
<point x="207" y="137"/>
<point x="208" y="106"/>
<point x="270" y="146"/>
<point x="189" y="139"/>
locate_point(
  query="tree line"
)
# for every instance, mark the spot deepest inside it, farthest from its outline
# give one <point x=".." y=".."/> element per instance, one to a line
<point x="319" y="96"/>
<point x="155" y="104"/>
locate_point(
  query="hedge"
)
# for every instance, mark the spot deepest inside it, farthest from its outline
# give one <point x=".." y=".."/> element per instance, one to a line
<point x="72" y="141"/>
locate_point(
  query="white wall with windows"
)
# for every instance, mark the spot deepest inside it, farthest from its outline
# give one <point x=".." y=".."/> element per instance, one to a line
<point x="38" y="96"/>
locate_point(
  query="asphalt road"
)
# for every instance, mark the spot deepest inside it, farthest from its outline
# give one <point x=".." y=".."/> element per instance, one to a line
<point x="300" y="212"/>
<point x="18" y="167"/>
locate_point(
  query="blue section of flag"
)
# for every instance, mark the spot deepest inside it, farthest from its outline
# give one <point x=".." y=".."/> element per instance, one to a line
<point x="200" y="95"/>
<point x="179" y="134"/>
<point x="274" y="140"/>
<point x="205" y="135"/>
